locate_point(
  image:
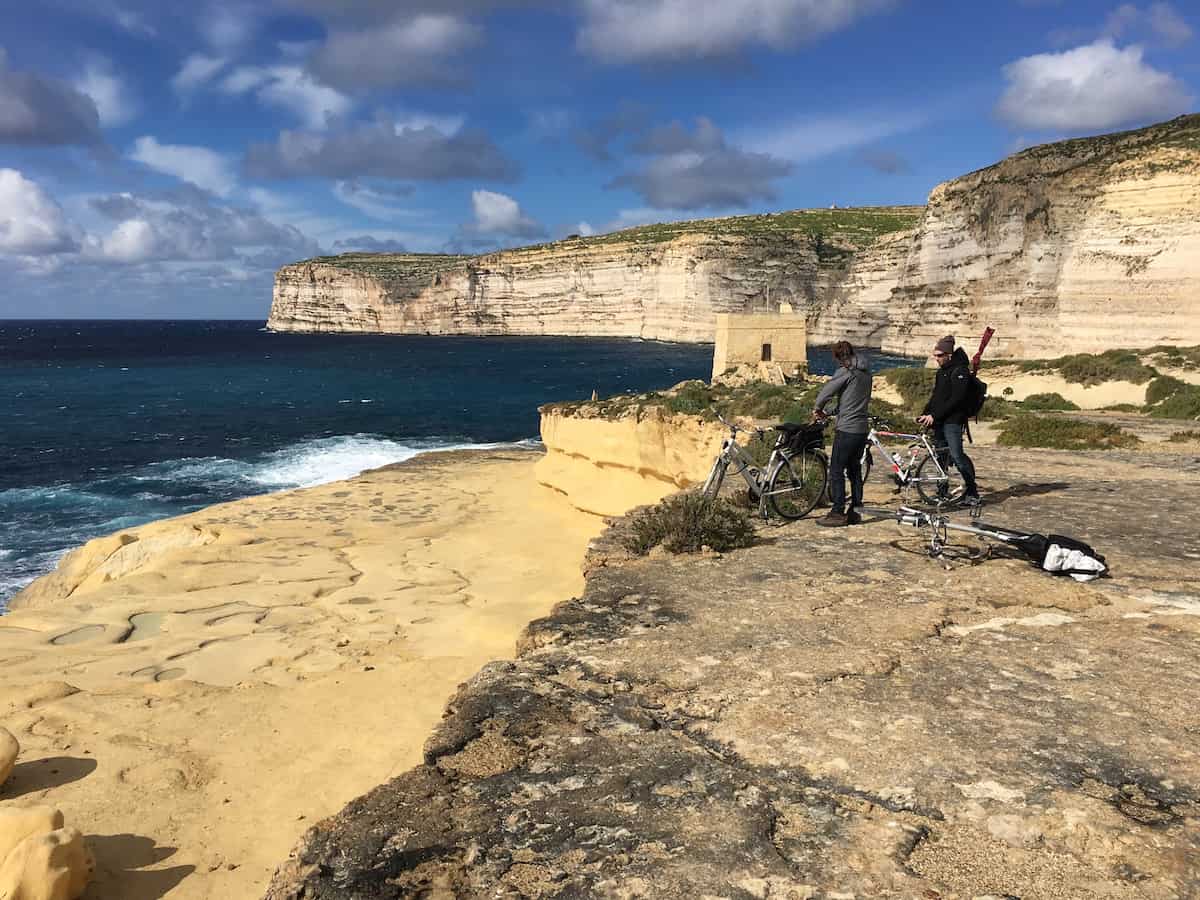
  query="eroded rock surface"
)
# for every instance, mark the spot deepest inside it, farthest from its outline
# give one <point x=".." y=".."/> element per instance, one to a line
<point x="827" y="714"/>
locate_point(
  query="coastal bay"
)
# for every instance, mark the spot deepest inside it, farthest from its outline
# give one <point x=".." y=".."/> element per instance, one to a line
<point x="194" y="693"/>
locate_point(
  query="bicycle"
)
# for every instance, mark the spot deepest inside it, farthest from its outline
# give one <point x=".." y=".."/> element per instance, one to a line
<point x="793" y="480"/>
<point x="937" y="485"/>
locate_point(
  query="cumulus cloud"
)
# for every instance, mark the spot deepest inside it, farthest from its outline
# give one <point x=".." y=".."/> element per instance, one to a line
<point x="698" y="168"/>
<point x="1094" y="87"/>
<point x="200" y="166"/>
<point x="408" y="51"/>
<point x="596" y="140"/>
<point x="382" y="149"/>
<point x="187" y="226"/>
<point x="197" y="70"/>
<point x="499" y="221"/>
<point x="291" y="88"/>
<point x="390" y="10"/>
<point x="621" y="31"/>
<point x="113" y="98"/>
<point x="36" y="110"/>
<point x="32" y="224"/>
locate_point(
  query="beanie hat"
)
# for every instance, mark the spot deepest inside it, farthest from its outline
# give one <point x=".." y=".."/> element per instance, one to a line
<point x="945" y="345"/>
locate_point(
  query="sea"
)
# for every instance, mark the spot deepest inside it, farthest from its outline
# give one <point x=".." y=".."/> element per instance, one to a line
<point x="106" y="425"/>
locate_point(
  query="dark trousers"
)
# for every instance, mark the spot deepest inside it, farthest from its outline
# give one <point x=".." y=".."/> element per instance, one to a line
<point x="948" y="438"/>
<point x="846" y="459"/>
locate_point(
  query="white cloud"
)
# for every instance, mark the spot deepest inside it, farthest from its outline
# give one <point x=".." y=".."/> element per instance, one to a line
<point x="31" y="222"/>
<point x="198" y="69"/>
<point x="409" y="50"/>
<point x="227" y="28"/>
<point x="133" y="241"/>
<point x="672" y="30"/>
<point x="200" y="166"/>
<point x="1096" y="86"/>
<point x="291" y="88"/>
<point x="1159" y="20"/>
<point x="500" y="214"/>
<point x="111" y="95"/>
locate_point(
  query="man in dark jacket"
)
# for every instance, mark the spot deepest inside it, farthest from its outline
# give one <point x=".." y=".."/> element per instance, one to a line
<point x="946" y="411"/>
<point x="852" y="388"/>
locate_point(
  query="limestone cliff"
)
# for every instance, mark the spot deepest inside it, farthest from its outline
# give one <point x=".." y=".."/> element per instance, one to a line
<point x="661" y="282"/>
<point x="1074" y="247"/>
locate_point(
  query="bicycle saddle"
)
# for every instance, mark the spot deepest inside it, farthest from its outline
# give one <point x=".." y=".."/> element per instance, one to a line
<point x="790" y="427"/>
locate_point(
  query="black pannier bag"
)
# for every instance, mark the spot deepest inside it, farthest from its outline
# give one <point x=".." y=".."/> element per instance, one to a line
<point x="1062" y="555"/>
<point x="795" y="439"/>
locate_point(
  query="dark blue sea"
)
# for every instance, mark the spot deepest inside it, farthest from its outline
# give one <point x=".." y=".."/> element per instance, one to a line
<point x="107" y="425"/>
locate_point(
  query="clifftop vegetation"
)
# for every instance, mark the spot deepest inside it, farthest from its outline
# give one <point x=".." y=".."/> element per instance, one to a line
<point x="833" y="231"/>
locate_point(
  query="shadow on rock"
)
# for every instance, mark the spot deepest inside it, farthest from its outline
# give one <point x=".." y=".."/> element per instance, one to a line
<point x="1024" y="489"/>
<point x="120" y="861"/>
<point x="44" y="774"/>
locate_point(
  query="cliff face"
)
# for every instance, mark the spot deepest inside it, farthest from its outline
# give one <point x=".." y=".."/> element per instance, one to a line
<point x="1079" y="246"/>
<point x="658" y="282"/>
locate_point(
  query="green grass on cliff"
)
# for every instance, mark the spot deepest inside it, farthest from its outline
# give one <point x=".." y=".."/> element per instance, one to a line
<point x="836" y="233"/>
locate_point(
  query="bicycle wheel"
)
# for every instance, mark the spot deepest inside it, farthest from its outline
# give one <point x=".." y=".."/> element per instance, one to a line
<point x="868" y="460"/>
<point x="936" y="489"/>
<point x="797" y="485"/>
<point x="712" y="484"/>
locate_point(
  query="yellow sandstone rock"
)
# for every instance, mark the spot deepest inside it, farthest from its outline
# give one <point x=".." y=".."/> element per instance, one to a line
<point x="9" y="748"/>
<point x="20" y="822"/>
<point x="52" y="866"/>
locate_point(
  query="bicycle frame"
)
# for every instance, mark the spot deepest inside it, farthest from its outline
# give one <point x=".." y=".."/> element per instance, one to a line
<point x="905" y="474"/>
<point x="942" y="525"/>
<point x="757" y="480"/>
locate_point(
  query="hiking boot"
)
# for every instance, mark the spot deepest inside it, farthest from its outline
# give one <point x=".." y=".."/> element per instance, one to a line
<point x="853" y="517"/>
<point x="834" y="519"/>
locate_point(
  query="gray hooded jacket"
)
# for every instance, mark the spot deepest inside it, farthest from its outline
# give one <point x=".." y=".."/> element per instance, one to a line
<point x="852" y="386"/>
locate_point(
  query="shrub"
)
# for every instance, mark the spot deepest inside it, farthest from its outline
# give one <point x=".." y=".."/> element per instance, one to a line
<point x="1180" y="437"/>
<point x="1063" y="434"/>
<point x="1176" y="357"/>
<point x="684" y="523"/>
<point x="915" y="385"/>
<point x="693" y="397"/>
<point x="997" y="409"/>
<point x="1123" y="407"/>
<point x="1047" y="402"/>
<point x="1170" y="398"/>
<point x="1096" y="368"/>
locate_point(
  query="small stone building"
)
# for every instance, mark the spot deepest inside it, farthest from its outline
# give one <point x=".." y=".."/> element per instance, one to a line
<point x="774" y="342"/>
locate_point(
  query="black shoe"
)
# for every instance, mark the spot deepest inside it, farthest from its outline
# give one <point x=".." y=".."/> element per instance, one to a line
<point x="853" y="517"/>
<point x="970" y="501"/>
<point x="833" y="519"/>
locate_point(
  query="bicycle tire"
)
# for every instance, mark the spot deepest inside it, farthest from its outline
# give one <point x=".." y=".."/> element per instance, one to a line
<point x="797" y="485"/>
<point x="932" y="492"/>
<point x="868" y="460"/>
<point x="712" y="484"/>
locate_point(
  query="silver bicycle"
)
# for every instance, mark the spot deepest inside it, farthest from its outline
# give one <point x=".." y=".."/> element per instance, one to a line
<point x="936" y="479"/>
<point x="792" y="482"/>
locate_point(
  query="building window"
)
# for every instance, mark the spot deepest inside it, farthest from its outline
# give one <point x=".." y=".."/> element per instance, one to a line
<point x="766" y="353"/>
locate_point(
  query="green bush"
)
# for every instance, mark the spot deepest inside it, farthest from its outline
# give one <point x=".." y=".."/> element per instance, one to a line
<point x="693" y="397"/>
<point x="1063" y="434"/>
<point x="915" y="385"/>
<point x="1180" y="437"/>
<point x="997" y="409"/>
<point x="1095" y="368"/>
<point x="684" y="523"/>
<point x="1047" y="402"/>
<point x="1170" y="398"/>
<point x="1176" y="357"/>
<point x="1123" y="407"/>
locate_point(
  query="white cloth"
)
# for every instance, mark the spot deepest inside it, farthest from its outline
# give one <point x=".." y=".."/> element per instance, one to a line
<point x="1080" y="566"/>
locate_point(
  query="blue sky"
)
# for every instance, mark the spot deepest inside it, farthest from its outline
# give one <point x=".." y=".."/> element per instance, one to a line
<point x="162" y="159"/>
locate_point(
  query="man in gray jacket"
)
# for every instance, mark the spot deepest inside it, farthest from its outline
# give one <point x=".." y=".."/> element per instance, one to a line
<point x="851" y="386"/>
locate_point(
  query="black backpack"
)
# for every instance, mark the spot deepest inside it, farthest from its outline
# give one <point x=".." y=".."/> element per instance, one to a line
<point x="976" y="395"/>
